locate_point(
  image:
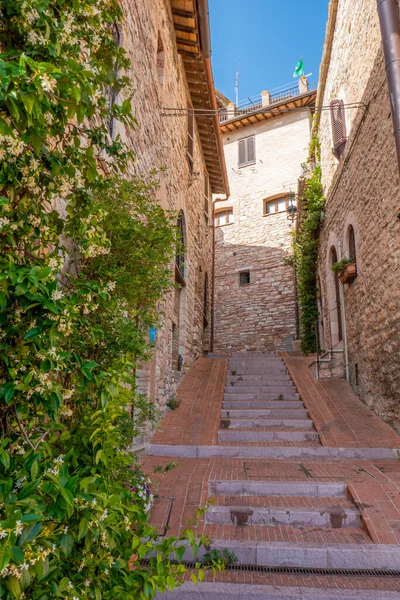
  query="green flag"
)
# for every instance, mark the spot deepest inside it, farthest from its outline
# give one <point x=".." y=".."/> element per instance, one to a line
<point x="299" y="69"/>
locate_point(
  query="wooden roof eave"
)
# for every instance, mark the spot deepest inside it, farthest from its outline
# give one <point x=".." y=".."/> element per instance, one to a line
<point x="306" y="100"/>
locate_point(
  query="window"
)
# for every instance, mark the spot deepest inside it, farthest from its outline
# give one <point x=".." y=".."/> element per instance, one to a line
<point x="206" y="195"/>
<point x="190" y="138"/>
<point x="180" y="250"/>
<point x="224" y="217"/>
<point x="247" y="151"/>
<point x="244" y="277"/>
<point x="160" y="60"/>
<point x="351" y="244"/>
<point x="338" y="121"/>
<point x="276" y="205"/>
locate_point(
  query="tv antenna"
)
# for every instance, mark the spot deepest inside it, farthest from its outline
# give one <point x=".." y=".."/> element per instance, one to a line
<point x="237" y="85"/>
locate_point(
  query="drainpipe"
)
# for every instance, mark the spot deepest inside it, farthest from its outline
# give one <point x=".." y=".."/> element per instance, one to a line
<point x="343" y="311"/>
<point x="390" y="30"/>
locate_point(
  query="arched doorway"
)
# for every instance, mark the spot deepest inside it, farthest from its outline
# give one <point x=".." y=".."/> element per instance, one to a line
<point x="178" y="325"/>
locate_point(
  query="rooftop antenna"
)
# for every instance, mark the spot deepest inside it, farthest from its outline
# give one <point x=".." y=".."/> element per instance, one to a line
<point x="237" y="85"/>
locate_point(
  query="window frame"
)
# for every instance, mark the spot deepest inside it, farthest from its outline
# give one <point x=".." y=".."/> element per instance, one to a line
<point x="247" y="162"/>
<point x="276" y="201"/>
<point x="223" y="211"/>
<point x="244" y="272"/>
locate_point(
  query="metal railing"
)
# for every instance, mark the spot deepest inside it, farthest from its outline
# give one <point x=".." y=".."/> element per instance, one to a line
<point x="255" y="103"/>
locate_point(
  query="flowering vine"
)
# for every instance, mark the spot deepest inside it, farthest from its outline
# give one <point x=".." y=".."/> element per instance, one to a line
<point x="75" y="306"/>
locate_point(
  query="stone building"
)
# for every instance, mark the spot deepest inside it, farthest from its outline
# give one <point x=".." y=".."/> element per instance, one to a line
<point x="361" y="185"/>
<point x="169" y="46"/>
<point x="264" y="144"/>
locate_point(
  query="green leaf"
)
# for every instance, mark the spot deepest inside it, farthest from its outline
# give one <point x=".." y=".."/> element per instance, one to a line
<point x="14" y="587"/>
<point x="68" y="497"/>
<point x="5" y="555"/>
<point x="66" y="544"/>
<point x="28" y="103"/>
<point x="28" y="489"/>
<point x="98" y="456"/>
<point x="83" y="527"/>
<point x="32" y="518"/>
<point x="29" y="534"/>
<point x="17" y="555"/>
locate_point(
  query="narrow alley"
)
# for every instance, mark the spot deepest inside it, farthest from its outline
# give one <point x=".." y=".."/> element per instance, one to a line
<point x="302" y="481"/>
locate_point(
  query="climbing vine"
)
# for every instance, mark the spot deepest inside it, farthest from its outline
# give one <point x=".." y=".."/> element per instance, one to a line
<point x="84" y="257"/>
<point x="306" y="252"/>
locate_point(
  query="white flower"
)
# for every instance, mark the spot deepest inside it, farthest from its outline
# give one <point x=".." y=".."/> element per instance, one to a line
<point x="87" y="582"/>
<point x="56" y="295"/>
<point x="18" y="527"/>
<point x="3" y="533"/>
<point x="111" y="286"/>
<point x="48" y="118"/>
<point x="64" y="529"/>
<point x="48" y="83"/>
<point x="70" y="585"/>
<point x="4" y="221"/>
<point x="68" y="394"/>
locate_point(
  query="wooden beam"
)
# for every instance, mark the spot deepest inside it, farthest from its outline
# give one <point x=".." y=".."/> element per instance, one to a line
<point x="185" y="42"/>
<point x="185" y="28"/>
<point x="186" y="14"/>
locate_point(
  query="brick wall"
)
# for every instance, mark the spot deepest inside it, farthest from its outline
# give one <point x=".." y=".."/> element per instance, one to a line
<point x="261" y="315"/>
<point x="362" y="190"/>
<point x="160" y="142"/>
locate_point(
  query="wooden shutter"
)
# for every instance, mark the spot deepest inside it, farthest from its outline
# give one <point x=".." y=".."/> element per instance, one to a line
<point x="338" y="121"/>
<point x="190" y="137"/>
<point x="251" y="149"/>
<point x="242" y="152"/>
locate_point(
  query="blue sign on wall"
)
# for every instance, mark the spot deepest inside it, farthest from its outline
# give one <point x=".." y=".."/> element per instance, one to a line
<point x="153" y="336"/>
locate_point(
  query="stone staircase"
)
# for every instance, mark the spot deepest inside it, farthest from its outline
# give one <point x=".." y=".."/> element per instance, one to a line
<point x="261" y="404"/>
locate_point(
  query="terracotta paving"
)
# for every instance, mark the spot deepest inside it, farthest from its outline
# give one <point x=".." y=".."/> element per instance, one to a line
<point x="200" y="393"/>
<point x="341" y="420"/>
<point x="339" y="416"/>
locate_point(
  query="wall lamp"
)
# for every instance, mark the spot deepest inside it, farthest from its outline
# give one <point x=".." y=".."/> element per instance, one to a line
<point x="291" y="210"/>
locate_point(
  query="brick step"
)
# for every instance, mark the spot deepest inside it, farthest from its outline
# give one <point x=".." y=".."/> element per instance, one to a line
<point x="329" y="517"/>
<point x="255" y="390"/>
<point x="256" y="448"/>
<point x="310" y="489"/>
<point x="262" y="404"/>
<point x="248" y="423"/>
<point x="261" y="396"/>
<point x="280" y="377"/>
<point x="284" y="413"/>
<point x="309" y="502"/>
<point x="211" y="590"/>
<point x="266" y="435"/>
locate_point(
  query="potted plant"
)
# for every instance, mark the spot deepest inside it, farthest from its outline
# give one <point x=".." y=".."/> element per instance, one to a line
<point x="345" y="269"/>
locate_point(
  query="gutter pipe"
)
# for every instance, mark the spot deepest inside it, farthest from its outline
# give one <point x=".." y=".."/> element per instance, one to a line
<point x="390" y="30"/>
<point x="205" y="44"/>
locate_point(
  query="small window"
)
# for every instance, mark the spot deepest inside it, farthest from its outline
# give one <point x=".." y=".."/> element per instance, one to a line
<point x="351" y="241"/>
<point x="190" y="138"/>
<point x="224" y="217"/>
<point x="206" y="195"/>
<point x="160" y="60"/>
<point x="338" y="121"/>
<point x="276" y="205"/>
<point x="247" y="151"/>
<point x="244" y="277"/>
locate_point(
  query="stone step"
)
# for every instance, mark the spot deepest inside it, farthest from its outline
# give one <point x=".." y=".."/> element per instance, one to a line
<point x="260" y="384"/>
<point x="285" y="413"/>
<point x="330" y="517"/>
<point x="248" y="423"/>
<point x="261" y="396"/>
<point x="308" y="502"/>
<point x="297" y="452"/>
<point x="276" y="488"/>
<point x="260" y="404"/>
<point x="357" y="553"/>
<point x="246" y="591"/>
<point x="276" y="390"/>
<point x="267" y="378"/>
<point x="256" y="371"/>
<point x="251" y="435"/>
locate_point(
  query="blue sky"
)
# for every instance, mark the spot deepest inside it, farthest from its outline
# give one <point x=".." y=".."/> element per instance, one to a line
<point x="267" y="38"/>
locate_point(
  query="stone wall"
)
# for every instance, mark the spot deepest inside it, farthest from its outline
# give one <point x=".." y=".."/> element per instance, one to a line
<point x="362" y="190"/>
<point x="161" y="142"/>
<point x="261" y="315"/>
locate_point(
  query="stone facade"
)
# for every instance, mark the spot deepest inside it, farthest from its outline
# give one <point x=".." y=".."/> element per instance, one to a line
<point x="362" y="190"/>
<point x="262" y="314"/>
<point x="160" y="142"/>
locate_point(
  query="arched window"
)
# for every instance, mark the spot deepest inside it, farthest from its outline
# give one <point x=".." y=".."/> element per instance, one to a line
<point x="351" y="240"/>
<point x="205" y="302"/>
<point x="338" y="312"/>
<point x="180" y="249"/>
<point x="160" y="60"/>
